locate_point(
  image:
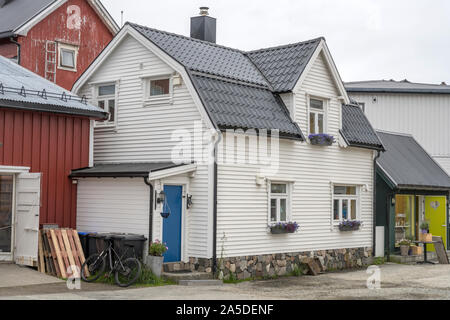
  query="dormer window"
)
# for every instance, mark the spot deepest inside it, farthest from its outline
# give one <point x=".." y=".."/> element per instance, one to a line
<point x="316" y="116"/>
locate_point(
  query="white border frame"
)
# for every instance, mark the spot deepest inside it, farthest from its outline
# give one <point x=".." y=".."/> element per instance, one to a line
<point x="289" y="186"/>
<point x="95" y="98"/>
<point x="359" y="190"/>
<point x="67" y="47"/>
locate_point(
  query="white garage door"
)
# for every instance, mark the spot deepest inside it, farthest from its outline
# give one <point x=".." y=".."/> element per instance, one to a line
<point x="113" y="205"/>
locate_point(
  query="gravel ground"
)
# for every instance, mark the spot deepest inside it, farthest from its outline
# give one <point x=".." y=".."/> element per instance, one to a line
<point x="397" y="282"/>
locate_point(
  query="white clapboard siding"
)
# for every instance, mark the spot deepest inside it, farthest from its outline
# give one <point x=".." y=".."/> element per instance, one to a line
<point x="113" y="205"/>
<point x="425" y="116"/>
<point x="243" y="205"/>
<point x="143" y="133"/>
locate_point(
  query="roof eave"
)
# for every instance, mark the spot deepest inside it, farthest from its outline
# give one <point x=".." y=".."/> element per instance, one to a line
<point x="23" y="105"/>
<point x="385" y="90"/>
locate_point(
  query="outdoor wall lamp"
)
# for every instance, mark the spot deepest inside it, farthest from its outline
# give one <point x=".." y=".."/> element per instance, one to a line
<point x="188" y="201"/>
<point x="161" y="197"/>
<point x="393" y="201"/>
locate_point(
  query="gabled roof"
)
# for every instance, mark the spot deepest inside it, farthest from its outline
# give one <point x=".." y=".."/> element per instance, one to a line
<point x="16" y="14"/>
<point x="392" y="86"/>
<point x="283" y="65"/>
<point x="357" y="130"/>
<point x="23" y="89"/>
<point x="240" y="89"/>
<point x="231" y="87"/>
<point x="408" y="166"/>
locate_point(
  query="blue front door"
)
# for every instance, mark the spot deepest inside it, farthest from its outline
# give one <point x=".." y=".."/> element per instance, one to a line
<point x="172" y="224"/>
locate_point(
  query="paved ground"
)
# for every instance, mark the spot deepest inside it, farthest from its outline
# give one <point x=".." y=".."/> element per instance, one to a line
<point x="397" y="282"/>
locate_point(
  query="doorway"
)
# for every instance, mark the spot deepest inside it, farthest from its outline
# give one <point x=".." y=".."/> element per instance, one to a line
<point x="435" y="213"/>
<point x="6" y="214"/>
<point x="172" y="232"/>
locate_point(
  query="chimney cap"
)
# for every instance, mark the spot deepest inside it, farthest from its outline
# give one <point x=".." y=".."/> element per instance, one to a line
<point x="204" y="11"/>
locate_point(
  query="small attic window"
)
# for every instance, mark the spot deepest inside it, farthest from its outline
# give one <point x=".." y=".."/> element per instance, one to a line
<point x="67" y="57"/>
<point x="159" y="87"/>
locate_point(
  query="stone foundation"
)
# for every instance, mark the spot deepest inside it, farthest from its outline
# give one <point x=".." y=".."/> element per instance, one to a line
<point x="279" y="264"/>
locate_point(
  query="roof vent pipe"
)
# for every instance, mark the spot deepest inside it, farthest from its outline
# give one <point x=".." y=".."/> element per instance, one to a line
<point x="203" y="27"/>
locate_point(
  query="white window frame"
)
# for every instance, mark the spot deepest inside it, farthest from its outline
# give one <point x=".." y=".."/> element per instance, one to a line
<point x="157" y="99"/>
<point x="67" y="47"/>
<point x="106" y="98"/>
<point x="348" y="197"/>
<point x="317" y="112"/>
<point x="278" y="196"/>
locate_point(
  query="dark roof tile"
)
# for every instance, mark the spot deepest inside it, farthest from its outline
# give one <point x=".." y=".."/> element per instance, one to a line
<point x="357" y="129"/>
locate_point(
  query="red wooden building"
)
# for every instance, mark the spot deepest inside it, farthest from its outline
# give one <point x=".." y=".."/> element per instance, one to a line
<point x="57" y="39"/>
<point x="45" y="132"/>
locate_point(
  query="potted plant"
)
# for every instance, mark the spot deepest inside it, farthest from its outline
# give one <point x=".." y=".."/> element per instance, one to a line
<point x="404" y="246"/>
<point x="155" y="257"/>
<point x="425" y="234"/>
<point x="284" y="227"/>
<point x="321" y="139"/>
<point x="349" y="225"/>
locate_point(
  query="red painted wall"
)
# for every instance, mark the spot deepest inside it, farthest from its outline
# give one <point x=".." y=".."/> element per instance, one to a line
<point x="92" y="37"/>
<point x="7" y="49"/>
<point x="53" y="145"/>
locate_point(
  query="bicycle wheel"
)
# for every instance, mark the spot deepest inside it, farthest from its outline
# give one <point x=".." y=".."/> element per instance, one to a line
<point x="95" y="265"/>
<point x="128" y="272"/>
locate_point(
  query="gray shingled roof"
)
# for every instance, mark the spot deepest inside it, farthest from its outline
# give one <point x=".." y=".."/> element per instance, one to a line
<point x="234" y="105"/>
<point x="203" y="56"/>
<point x="14" y="77"/>
<point x="240" y="90"/>
<point x="357" y="130"/>
<point x="407" y="165"/>
<point x="17" y="12"/>
<point x="392" y="86"/>
<point x="130" y="169"/>
<point x="282" y="66"/>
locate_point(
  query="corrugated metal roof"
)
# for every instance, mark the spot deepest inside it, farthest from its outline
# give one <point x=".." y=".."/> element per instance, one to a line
<point x="130" y="169"/>
<point x="14" y="77"/>
<point x="407" y="165"/>
<point x="282" y="66"/>
<point x="17" y="12"/>
<point x="357" y="129"/>
<point x="393" y="86"/>
<point x="233" y="104"/>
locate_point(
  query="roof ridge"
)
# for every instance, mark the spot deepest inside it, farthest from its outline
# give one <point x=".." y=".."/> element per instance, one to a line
<point x="185" y="37"/>
<point x="396" y="81"/>
<point x="285" y="45"/>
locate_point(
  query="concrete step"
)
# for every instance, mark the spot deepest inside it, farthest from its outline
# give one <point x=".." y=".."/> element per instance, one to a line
<point x="176" y="266"/>
<point x="189" y="276"/>
<point x="199" y="283"/>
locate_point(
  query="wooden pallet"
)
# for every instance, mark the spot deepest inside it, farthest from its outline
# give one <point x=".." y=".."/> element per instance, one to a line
<point x="60" y="253"/>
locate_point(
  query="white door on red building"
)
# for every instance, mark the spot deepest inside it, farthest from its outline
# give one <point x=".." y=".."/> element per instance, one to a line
<point x="28" y="189"/>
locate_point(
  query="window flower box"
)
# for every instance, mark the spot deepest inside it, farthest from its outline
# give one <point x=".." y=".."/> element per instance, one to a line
<point x="321" y="139"/>
<point x="348" y="225"/>
<point x="284" y="227"/>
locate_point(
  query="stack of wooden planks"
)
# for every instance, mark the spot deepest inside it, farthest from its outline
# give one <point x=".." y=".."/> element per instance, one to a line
<point x="60" y="253"/>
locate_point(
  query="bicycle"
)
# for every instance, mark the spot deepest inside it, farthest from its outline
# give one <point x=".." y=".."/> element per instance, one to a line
<point x="126" y="272"/>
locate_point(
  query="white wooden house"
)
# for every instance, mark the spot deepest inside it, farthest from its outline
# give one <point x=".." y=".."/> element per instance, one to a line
<point x="422" y="110"/>
<point x="161" y="89"/>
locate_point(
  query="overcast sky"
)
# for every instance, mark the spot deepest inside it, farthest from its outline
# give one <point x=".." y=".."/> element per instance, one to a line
<point x="369" y="39"/>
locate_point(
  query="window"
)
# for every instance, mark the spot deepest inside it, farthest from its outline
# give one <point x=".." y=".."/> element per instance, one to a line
<point x="106" y="99"/>
<point x="159" y="87"/>
<point x="279" y="202"/>
<point x="316" y="116"/>
<point x="345" y="203"/>
<point x="67" y="57"/>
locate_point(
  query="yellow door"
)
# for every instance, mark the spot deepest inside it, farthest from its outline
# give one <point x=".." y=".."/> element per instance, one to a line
<point x="435" y="214"/>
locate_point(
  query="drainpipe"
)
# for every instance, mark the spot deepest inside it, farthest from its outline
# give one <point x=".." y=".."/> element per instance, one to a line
<point x="150" y="213"/>
<point x="19" y="50"/>
<point x="388" y="222"/>
<point x="374" y="200"/>
<point x="214" y="262"/>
